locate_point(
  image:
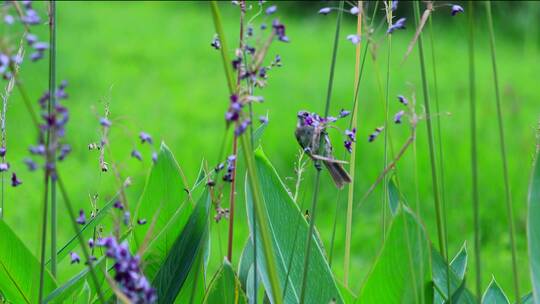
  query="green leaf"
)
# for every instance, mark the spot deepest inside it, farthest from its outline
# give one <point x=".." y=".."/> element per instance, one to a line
<point x="61" y="293"/>
<point x="527" y="299"/>
<point x="285" y="219"/>
<point x="246" y="271"/>
<point x="84" y="296"/>
<point x="533" y="230"/>
<point x="440" y="278"/>
<point x="19" y="270"/>
<point x="87" y="231"/>
<point x="193" y="289"/>
<point x="459" y="262"/>
<point x="225" y="287"/>
<point x="393" y="196"/>
<point x="163" y="195"/>
<point x="184" y="252"/>
<point x="348" y="295"/>
<point x="494" y="294"/>
<point x="401" y="273"/>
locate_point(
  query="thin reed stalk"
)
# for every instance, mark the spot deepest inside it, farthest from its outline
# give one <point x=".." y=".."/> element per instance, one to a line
<point x="389" y="14"/>
<point x="247" y="149"/>
<point x="441" y="230"/>
<point x="321" y="146"/>
<point x="354" y="124"/>
<point x="474" y="154"/>
<point x="507" y="193"/>
<point x="51" y="148"/>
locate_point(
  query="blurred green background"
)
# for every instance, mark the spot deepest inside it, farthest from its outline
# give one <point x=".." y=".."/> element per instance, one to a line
<point x="153" y="62"/>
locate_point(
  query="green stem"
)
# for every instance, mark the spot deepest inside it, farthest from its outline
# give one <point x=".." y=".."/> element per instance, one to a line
<point x="386" y="114"/>
<point x="247" y="149"/>
<point x="435" y="185"/>
<point x="321" y="145"/>
<point x="503" y="151"/>
<point x="52" y="141"/>
<point x="43" y="237"/>
<point x="474" y="165"/>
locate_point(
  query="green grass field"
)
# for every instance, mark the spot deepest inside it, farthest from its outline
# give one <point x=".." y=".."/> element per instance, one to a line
<point x="154" y="64"/>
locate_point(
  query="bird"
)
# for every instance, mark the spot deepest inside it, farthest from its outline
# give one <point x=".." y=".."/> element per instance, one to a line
<point x="308" y="132"/>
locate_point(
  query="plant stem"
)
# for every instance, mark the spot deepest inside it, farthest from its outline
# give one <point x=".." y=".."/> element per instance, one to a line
<point x="82" y="242"/>
<point x="354" y="123"/>
<point x="318" y="171"/>
<point x="247" y="149"/>
<point x="43" y="237"/>
<point x="386" y="114"/>
<point x="508" y="196"/>
<point x="474" y="165"/>
<point x="441" y="230"/>
<point x="52" y="141"/>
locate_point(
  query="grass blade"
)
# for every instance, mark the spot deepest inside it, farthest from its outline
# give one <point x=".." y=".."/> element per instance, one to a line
<point x="225" y="287"/>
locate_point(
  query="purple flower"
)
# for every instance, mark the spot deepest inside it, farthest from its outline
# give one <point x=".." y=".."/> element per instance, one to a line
<point x="263" y="26"/>
<point x="141" y="221"/>
<point x="91" y="243"/>
<point x="31" y="39"/>
<point x="35" y="56"/>
<point x="231" y="164"/>
<point x="40" y="46"/>
<point x="31" y="17"/>
<point x="136" y="154"/>
<point x="263" y="119"/>
<point x="344" y="113"/>
<point x="236" y="63"/>
<point x="403" y="100"/>
<point x="81" y="220"/>
<point x="325" y="11"/>
<point x="216" y="44"/>
<point x="4" y="63"/>
<point x="271" y="9"/>
<point x="399" y="25"/>
<point x="351" y="134"/>
<point x="64" y="151"/>
<point x="104" y="122"/>
<point x="394" y="5"/>
<point x="145" y="137"/>
<point x="397" y="117"/>
<point x="249" y="32"/>
<point x="30" y="164"/>
<point x="219" y="167"/>
<point x="354" y="10"/>
<point x="3" y="151"/>
<point x="118" y="205"/>
<point x="242" y="127"/>
<point x="456" y="9"/>
<point x="8" y="19"/>
<point x="75" y="259"/>
<point x="354" y="38"/>
<point x="14" y="180"/>
<point x="4" y="167"/>
<point x="279" y="30"/>
<point x="348" y="145"/>
<point x="375" y="133"/>
<point x="154" y="157"/>
<point x="262" y="73"/>
<point x="235" y="108"/>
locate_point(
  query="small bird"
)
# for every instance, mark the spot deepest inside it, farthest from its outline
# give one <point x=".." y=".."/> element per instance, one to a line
<point x="308" y="133"/>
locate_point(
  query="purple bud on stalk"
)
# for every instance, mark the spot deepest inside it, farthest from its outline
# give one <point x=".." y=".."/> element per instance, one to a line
<point x="3" y="151"/>
<point x="145" y="137"/>
<point x="325" y="11"/>
<point x="242" y="127"/>
<point x="118" y="205"/>
<point x="397" y="117"/>
<point x="354" y="10"/>
<point x="127" y="218"/>
<point x="216" y="44"/>
<point x="403" y="100"/>
<point x="75" y="259"/>
<point x="81" y="220"/>
<point x="271" y="9"/>
<point x="399" y="25"/>
<point x="31" y="39"/>
<point x="348" y="145"/>
<point x="263" y="119"/>
<point x="154" y="157"/>
<point x="30" y="164"/>
<point x="9" y="20"/>
<point x="136" y="154"/>
<point x="353" y="38"/>
<point x="344" y="113"/>
<point x="141" y="221"/>
<point x="279" y="30"/>
<point x="91" y="243"/>
<point x="375" y="133"/>
<point x="394" y="5"/>
<point x="104" y="122"/>
<point x="14" y="180"/>
<point x="456" y="9"/>
<point x="4" y="167"/>
<point x="351" y="134"/>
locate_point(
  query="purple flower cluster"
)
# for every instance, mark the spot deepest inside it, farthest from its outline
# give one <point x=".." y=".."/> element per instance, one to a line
<point x="6" y="63"/>
<point x="314" y="119"/>
<point x="145" y="138"/>
<point x="54" y="122"/>
<point x="231" y="165"/>
<point x="128" y="275"/>
<point x="351" y="137"/>
<point x="235" y="108"/>
<point x="279" y="30"/>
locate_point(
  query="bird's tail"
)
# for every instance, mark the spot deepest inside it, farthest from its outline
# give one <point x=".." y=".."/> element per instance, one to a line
<point x="338" y="173"/>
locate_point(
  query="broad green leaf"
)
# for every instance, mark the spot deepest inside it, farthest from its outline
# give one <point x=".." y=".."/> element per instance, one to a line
<point x="456" y="296"/>
<point x="401" y="273"/>
<point x="193" y="289"/>
<point x="87" y="231"/>
<point x="348" y="295"/>
<point x="393" y="196"/>
<point x="19" y="270"/>
<point x="533" y="230"/>
<point x="527" y="299"/>
<point x="182" y="256"/>
<point x="494" y="294"/>
<point x="285" y="220"/>
<point x="246" y="271"/>
<point x="84" y="295"/>
<point x="440" y="278"/>
<point x="61" y="293"/>
<point x="163" y="195"/>
<point x="459" y="262"/>
<point x="225" y="287"/>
